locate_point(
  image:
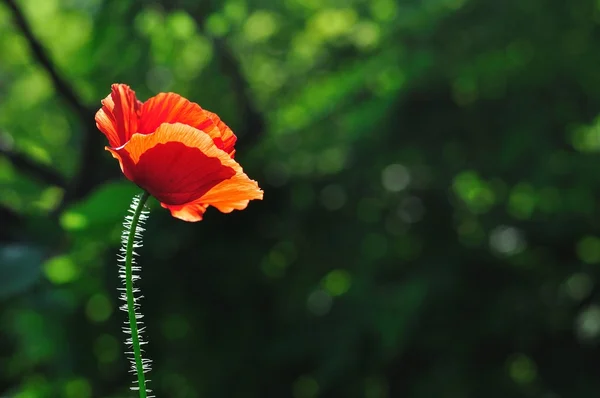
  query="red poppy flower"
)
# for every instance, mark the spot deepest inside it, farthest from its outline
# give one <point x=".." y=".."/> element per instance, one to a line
<point x="175" y="150"/>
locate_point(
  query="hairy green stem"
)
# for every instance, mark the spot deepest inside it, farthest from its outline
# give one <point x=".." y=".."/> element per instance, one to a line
<point x="129" y="292"/>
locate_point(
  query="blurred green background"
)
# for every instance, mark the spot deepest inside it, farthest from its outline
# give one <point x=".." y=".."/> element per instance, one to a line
<point x="430" y="226"/>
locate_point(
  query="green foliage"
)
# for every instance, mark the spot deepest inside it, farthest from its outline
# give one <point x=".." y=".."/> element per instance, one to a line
<point x="101" y="211"/>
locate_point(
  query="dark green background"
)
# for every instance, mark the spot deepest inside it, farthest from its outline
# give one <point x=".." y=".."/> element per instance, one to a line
<point x="430" y="226"/>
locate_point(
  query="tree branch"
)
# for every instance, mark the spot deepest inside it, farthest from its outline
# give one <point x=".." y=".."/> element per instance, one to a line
<point x="28" y="166"/>
<point x="86" y="177"/>
<point x="39" y="53"/>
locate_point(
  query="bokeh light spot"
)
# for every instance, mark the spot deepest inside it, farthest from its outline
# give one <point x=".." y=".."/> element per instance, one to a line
<point x="395" y="177"/>
<point x="181" y="24"/>
<point x="337" y="282"/>
<point x="384" y="10"/>
<point x="78" y="388"/>
<point x="98" y="308"/>
<point x="236" y="10"/>
<point x="72" y="221"/>
<point x="148" y="21"/>
<point x="507" y="240"/>
<point x="579" y="285"/>
<point x="588" y="249"/>
<point x="61" y="269"/>
<point x="332" y="23"/>
<point x="475" y="193"/>
<point x="274" y="264"/>
<point x="587" y="324"/>
<point x="522" y="201"/>
<point x="260" y="26"/>
<point x="319" y="302"/>
<point x="194" y="56"/>
<point x="522" y="369"/>
<point x="217" y="25"/>
<point x="366" y="35"/>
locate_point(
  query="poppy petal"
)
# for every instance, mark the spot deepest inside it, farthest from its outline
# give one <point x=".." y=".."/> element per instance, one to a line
<point x="179" y="165"/>
<point x="227" y="136"/>
<point x="118" y="117"/>
<point x="191" y="212"/>
<point x="232" y="194"/>
<point x="173" y="108"/>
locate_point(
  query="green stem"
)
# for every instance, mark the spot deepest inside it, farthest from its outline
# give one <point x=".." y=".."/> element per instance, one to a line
<point x="131" y="310"/>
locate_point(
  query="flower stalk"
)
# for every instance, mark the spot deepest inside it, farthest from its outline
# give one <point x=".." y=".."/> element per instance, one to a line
<point x="132" y="239"/>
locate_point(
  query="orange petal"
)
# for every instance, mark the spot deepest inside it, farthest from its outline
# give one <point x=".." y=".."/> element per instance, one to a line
<point x="173" y="108"/>
<point x="190" y="212"/>
<point x="232" y="194"/>
<point x="227" y="136"/>
<point x="177" y="164"/>
<point x="180" y="165"/>
<point x="118" y="117"/>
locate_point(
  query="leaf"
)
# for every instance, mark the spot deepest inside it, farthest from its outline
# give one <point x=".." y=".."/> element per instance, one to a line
<point x="104" y="208"/>
<point x="20" y="268"/>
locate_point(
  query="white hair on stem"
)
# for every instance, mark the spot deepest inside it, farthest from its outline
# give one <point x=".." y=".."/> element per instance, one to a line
<point x="135" y="269"/>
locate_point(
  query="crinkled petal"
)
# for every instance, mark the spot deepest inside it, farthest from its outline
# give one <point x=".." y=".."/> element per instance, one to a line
<point x="173" y="108"/>
<point x="118" y="117"/>
<point x="231" y="194"/>
<point x="189" y="212"/>
<point x="227" y="136"/>
<point x="182" y="167"/>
